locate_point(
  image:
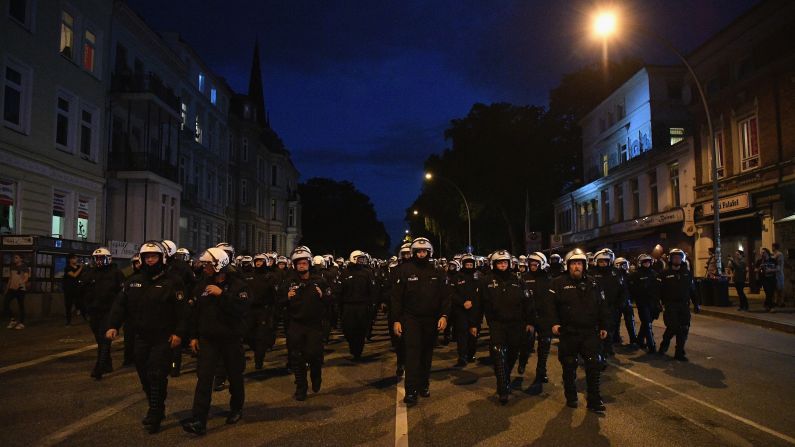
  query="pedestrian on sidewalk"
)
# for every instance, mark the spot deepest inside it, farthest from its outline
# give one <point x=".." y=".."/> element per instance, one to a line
<point x="71" y="288"/>
<point x="778" y="258"/>
<point x="738" y="267"/>
<point x="767" y="275"/>
<point x="17" y="285"/>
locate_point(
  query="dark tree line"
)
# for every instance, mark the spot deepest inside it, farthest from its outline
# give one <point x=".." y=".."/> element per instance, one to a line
<point x="508" y="159"/>
<point x="337" y="218"/>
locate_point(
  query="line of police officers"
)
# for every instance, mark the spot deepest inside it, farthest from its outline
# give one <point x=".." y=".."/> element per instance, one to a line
<point x="216" y="305"/>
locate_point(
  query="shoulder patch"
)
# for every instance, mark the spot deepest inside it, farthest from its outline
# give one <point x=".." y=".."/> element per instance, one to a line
<point x="135" y="284"/>
<point x="243" y="296"/>
<point x="180" y="295"/>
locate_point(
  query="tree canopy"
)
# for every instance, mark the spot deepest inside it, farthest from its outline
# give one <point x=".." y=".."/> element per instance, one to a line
<point x="337" y="219"/>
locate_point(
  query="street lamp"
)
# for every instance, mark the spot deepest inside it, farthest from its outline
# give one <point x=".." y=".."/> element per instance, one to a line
<point x="604" y="26"/>
<point x="429" y="176"/>
<point x="415" y="212"/>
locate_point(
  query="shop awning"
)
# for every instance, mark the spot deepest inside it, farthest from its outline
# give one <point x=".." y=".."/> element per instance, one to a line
<point x="786" y="219"/>
<point x="727" y="218"/>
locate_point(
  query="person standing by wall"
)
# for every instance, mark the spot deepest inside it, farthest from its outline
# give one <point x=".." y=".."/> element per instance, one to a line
<point x="778" y="258"/>
<point x="767" y="276"/>
<point x="71" y="288"/>
<point x="16" y="287"/>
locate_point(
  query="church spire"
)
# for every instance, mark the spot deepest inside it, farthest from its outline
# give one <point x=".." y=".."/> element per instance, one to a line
<point x="255" y="88"/>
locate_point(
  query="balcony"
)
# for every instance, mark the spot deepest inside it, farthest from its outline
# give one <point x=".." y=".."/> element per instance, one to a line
<point x="146" y="84"/>
<point x="142" y="161"/>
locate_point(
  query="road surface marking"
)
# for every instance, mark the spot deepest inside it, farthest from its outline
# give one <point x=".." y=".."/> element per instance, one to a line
<point x="89" y="420"/>
<point x="728" y="413"/>
<point x="46" y="358"/>
<point x="401" y="417"/>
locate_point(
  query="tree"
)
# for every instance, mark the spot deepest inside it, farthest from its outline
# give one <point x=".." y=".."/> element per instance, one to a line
<point x="337" y="219"/>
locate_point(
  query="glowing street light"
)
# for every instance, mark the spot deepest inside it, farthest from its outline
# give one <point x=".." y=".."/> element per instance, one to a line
<point x="604" y="24"/>
<point x="428" y="176"/>
<point x="415" y="212"/>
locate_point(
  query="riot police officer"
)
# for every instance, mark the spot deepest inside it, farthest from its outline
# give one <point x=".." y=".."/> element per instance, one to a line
<point x="156" y="308"/>
<point x="580" y="316"/>
<point x="676" y="288"/>
<point x="537" y="281"/>
<point x="101" y="284"/>
<point x="304" y="296"/>
<point x="464" y="294"/>
<point x="218" y="322"/>
<point x="357" y="292"/>
<point x="421" y="303"/>
<point x="183" y="278"/>
<point x="615" y="292"/>
<point x="509" y="311"/>
<point x="645" y="290"/>
<point x="555" y="268"/>
<point x="261" y="290"/>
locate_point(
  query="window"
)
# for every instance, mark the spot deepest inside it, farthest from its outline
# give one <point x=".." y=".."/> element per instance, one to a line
<point x="243" y="191"/>
<point x="21" y="11"/>
<point x="184" y="114"/>
<point x="623" y="155"/>
<point x="673" y="169"/>
<point x="201" y="82"/>
<point x="274" y="245"/>
<point x="677" y="134"/>
<point x="564" y="221"/>
<point x="618" y="190"/>
<point x="63" y="134"/>
<point x="59" y="208"/>
<point x="67" y="34"/>
<point x="16" y="97"/>
<point x="8" y="204"/>
<point x="194" y="230"/>
<point x="605" y="165"/>
<point x="718" y="145"/>
<point x="198" y="135"/>
<point x="605" y="207"/>
<point x="595" y="217"/>
<point x="653" y="192"/>
<point x="89" y="51"/>
<point x="274" y="175"/>
<point x="580" y="216"/>
<point x="633" y="186"/>
<point x="749" y="144"/>
<point x="244" y="149"/>
<point x="88" y="131"/>
<point x="291" y="217"/>
<point x="213" y="96"/>
<point x="273" y="209"/>
<point x="83" y="217"/>
<point x="620" y="113"/>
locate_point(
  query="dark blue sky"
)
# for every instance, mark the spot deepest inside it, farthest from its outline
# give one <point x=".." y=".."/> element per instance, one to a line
<point x="363" y="90"/>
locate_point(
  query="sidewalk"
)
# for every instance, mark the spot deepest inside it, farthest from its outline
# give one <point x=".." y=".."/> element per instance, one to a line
<point x="780" y="319"/>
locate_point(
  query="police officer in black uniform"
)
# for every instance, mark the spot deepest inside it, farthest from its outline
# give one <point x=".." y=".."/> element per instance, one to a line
<point x="396" y="340"/>
<point x="157" y="310"/>
<point x="421" y="303"/>
<point x="537" y="281"/>
<point x="465" y="293"/>
<point x="510" y="314"/>
<point x="645" y="291"/>
<point x="101" y="284"/>
<point x="129" y="330"/>
<point x="580" y="316"/>
<point x="615" y="291"/>
<point x="676" y="290"/>
<point x="184" y="278"/>
<point x="555" y="268"/>
<point x="262" y="296"/>
<point x="356" y="292"/>
<point x="304" y="295"/>
<point x="218" y="322"/>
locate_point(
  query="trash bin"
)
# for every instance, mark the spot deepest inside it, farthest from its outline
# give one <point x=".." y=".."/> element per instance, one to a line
<point x="720" y="289"/>
<point x="704" y="290"/>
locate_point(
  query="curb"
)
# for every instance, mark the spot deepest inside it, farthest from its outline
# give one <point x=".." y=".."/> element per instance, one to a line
<point x="782" y="327"/>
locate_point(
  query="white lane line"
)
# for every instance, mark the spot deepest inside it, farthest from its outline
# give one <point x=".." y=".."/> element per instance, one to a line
<point x="728" y="413"/>
<point x="89" y="420"/>
<point x="46" y="358"/>
<point x="401" y="418"/>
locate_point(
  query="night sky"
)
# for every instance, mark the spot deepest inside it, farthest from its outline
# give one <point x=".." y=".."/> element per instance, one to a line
<point x="363" y="90"/>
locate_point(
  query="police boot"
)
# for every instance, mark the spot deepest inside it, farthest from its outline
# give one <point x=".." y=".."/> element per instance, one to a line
<point x="681" y="338"/>
<point x="399" y="371"/>
<point x="664" y="344"/>
<point x="503" y="381"/>
<point x="593" y="372"/>
<point x="157" y="409"/>
<point x="195" y="425"/>
<point x="316" y="374"/>
<point x="569" y="365"/>
<point x="299" y="370"/>
<point x="630" y="325"/>
<point x="524" y="355"/>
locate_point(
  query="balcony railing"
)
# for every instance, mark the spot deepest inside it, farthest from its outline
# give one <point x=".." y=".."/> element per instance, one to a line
<point x="145" y="83"/>
<point x="142" y="161"/>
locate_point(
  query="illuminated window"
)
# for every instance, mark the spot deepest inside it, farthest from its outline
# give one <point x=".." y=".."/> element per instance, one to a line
<point x="201" y="82"/>
<point x="213" y="95"/>
<point x="677" y="134"/>
<point x="605" y="165"/>
<point x="8" y="199"/>
<point x="718" y="141"/>
<point x="749" y="143"/>
<point x="198" y="134"/>
<point x="89" y="50"/>
<point x="184" y="115"/>
<point x="59" y="208"/>
<point x="623" y="155"/>
<point x="67" y="34"/>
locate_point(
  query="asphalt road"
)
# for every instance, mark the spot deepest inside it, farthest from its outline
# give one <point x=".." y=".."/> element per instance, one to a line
<point x="736" y="391"/>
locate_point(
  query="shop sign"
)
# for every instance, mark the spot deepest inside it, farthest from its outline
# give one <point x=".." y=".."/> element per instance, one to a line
<point x="728" y="204"/>
<point x="123" y="249"/>
<point x="18" y="240"/>
<point x="655" y="220"/>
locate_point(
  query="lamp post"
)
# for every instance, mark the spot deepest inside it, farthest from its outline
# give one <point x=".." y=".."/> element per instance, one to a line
<point x="605" y="24"/>
<point x="429" y="176"/>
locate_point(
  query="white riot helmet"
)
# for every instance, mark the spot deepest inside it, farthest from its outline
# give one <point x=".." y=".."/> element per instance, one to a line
<point x="621" y="263"/>
<point x="453" y="266"/>
<point x="228" y="248"/>
<point x="260" y="257"/>
<point x="319" y="261"/>
<point x="216" y="257"/>
<point x="605" y="254"/>
<point x="499" y="255"/>
<point x="300" y="254"/>
<point x="576" y="255"/>
<point x="421" y="243"/>
<point x="246" y="261"/>
<point x="282" y="260"/>
<point x="677" y="252"/>
<point x="182" y="254"/>
<point x="644" y="257"/>
<point x="469" y="257"/>
<point x="539" y="258"/>
<point x="101" y="257"/>
<point x="171" y="248"/>
<point x="355" y="255"/>
<point x="151" y="247"/>
<point x="555" y="259"/>
<point x="405" y="249"/>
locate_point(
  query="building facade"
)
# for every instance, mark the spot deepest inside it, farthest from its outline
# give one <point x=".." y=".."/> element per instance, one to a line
<point x="638" y="162"/>
<point x="748" y="74"/>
